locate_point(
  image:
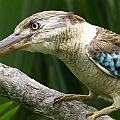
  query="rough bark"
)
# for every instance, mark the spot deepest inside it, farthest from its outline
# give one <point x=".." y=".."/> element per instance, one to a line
<point x="18" y="87"/>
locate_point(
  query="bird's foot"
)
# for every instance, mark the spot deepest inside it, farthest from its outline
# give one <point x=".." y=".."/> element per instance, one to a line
<point x="70" y="97"/>
<point x="105" y="111"/>
<point x="93" y="115"/>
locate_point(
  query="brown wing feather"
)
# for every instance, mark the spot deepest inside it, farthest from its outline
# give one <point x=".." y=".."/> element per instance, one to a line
<point x="104" y="51"/>
<point x="105" y="40"/>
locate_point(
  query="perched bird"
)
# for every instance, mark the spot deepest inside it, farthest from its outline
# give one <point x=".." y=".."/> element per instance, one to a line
<point x="92" y="53"/>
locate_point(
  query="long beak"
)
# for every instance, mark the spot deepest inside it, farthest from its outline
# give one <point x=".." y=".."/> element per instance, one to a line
<point x="13" y="43"/>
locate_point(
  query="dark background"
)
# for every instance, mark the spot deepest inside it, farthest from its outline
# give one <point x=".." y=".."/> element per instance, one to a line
<point x="48" y="70"/>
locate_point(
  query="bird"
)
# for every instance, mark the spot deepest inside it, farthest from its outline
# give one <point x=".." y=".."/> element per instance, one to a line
<point x="92" y="53"/>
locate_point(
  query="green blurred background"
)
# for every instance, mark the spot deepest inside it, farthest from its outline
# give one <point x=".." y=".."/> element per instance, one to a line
<point x="48" y="70"/>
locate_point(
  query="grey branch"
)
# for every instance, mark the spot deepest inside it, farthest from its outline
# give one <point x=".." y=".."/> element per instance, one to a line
<point x="18" y="87"/>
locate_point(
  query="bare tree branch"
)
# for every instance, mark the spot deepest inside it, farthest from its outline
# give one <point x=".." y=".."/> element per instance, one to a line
<point x="18" y="87"/>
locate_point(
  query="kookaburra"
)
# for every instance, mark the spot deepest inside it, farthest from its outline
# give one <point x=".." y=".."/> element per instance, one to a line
<point x="92" y="53"/>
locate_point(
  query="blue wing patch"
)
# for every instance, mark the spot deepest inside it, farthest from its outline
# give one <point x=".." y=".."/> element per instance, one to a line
<point x="104" y="51"/>
<point x="111" y="62"/>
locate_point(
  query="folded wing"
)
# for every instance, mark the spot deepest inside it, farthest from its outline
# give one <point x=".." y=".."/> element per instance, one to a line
<point x="104" y="51"/>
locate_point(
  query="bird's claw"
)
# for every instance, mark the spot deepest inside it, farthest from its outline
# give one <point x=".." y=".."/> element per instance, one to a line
<point x="69" y="97"/>
<point x="93" y="115"/>
<point x="58" y="100"/>
<point x="63" y="98"/>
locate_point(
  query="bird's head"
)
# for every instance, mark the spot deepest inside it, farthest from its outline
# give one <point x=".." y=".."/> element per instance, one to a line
<point x="41" y="32"/>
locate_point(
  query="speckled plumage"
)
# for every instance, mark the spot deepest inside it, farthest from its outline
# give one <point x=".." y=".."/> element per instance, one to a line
<point x="92" y="53"/>
<point x="106" y="52"/>
<point x="111" y="62"/>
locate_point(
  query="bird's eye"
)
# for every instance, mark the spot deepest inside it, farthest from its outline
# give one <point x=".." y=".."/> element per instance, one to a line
<point x="35" y="26"/>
